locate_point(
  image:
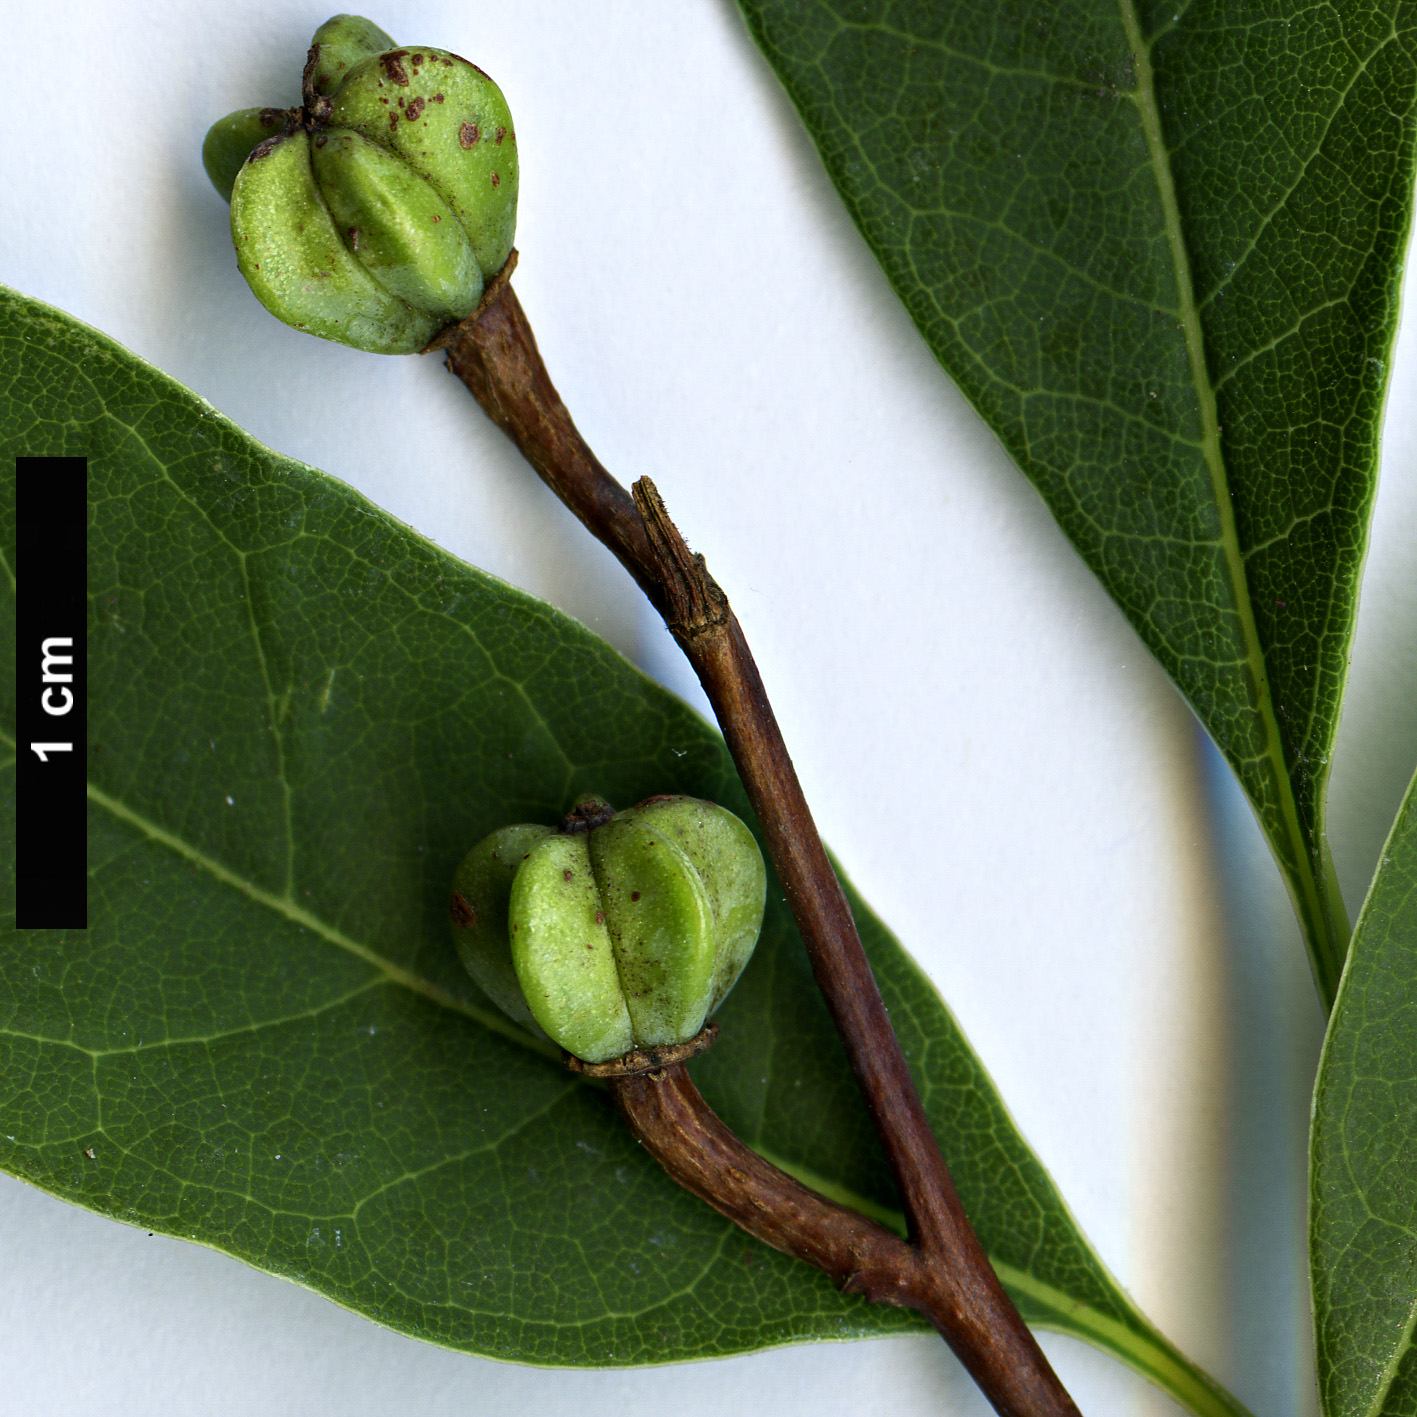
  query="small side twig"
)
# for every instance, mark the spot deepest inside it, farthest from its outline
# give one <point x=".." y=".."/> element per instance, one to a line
<point x="665" y="1112"/>
<point x="942" y="1270"/>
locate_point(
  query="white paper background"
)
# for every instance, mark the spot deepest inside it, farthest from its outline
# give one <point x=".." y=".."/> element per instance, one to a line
<point x="1008" y="776"/>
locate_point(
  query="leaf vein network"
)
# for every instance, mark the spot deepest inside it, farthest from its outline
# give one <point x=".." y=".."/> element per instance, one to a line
<point x="1270" y="345"/>
<point x="1124" y="297"/>
<point x="241" y="561"/>
<point x="255" y="1026"/>
<point x="913" y="43"/>
<point x="573" y="1085"/>
<point x="1267" y="219"/>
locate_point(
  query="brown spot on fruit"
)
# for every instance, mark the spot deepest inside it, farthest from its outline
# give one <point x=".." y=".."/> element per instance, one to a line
<point x="393" y="67"/>
<point x="496" y="181"/>
<point x="321" y="140"/>
<point x="501" y="133"/>
<point x="600" y="917"/>
<point x="464" y="916"/>
<point x="413" y="110"/>
<point x="437" y="98"/>
<point x="354" y="238"/>
<point x="634" y="895"/>
<point x="566" y="874"/>
<point x="468" y="135"/>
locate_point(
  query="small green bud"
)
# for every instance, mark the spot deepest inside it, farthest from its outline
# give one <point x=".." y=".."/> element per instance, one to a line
<point x="374" y="214"/>
<point x="621" y="931"/>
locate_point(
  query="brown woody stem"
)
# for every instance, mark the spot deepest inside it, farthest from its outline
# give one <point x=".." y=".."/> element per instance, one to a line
<point x="942" y="1270"/>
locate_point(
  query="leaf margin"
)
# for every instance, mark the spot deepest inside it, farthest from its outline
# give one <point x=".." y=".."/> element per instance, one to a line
<point x="1345" y="1039"/>
<point x="1304" y="860"/>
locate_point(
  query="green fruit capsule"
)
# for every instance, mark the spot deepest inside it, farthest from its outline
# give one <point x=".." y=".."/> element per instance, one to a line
<point x="373" y="215"/>
<point x="297" y="264"/>
<point x="626" y="935"/>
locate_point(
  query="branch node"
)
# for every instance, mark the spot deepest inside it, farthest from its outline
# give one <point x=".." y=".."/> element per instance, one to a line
<point x="695" y="603"/>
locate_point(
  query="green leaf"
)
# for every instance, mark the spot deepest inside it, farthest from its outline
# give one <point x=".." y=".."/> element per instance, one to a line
<point x="301" y="714"/>
<point x="1158" y="246"/>
<point x="1363" y="1163"/>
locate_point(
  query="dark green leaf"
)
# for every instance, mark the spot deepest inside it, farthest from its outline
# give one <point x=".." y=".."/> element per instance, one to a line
<point x="301" y="715"/>
<point x="1363" y="1168"/>
<point x="1159" y="248"/>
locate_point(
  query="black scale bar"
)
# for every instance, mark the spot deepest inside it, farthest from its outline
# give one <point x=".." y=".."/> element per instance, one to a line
<point x="51" y="674"/>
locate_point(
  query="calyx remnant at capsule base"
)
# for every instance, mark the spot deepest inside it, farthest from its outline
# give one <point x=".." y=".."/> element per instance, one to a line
<point x="373" y="214"/>
<point x="619" y="931"/>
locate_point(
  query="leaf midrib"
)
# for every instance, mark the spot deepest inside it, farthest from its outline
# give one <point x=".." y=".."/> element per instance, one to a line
<point x="1325" y="951"/>
<point x="298" y="915"/>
